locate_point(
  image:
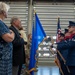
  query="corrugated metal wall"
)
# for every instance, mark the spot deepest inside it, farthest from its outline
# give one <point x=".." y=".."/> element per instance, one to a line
<point x="19" y="9"/>
<point x="49" y="12"/>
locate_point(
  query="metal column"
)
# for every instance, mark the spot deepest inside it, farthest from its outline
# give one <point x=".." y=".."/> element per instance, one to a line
<point x="30" y="16"/>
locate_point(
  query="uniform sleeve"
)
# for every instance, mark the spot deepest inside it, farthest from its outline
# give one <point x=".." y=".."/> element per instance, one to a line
<point x="3" y="29"/>
<point x="62" y="45"/>
<point x="66" y="45"/>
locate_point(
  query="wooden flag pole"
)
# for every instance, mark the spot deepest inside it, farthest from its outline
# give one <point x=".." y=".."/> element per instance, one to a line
<point x="61" y="57"/>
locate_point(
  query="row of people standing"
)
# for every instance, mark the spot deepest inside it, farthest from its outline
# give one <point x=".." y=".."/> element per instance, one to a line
<point x="66" y="47"/>
<point x="12" y="44"/>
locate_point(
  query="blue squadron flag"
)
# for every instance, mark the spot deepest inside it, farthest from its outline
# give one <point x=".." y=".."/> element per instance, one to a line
<point x="38" y="35"/>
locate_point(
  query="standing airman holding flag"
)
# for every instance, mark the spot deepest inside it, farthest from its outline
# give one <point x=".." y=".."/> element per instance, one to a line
<point x="70" y="46"/>
<point x="62" y="53"/>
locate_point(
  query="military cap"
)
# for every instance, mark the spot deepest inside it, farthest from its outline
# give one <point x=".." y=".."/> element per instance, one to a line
<point x="71" y="23"/>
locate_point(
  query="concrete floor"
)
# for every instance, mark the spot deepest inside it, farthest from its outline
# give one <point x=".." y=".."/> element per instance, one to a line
<point x="47" y="70"/>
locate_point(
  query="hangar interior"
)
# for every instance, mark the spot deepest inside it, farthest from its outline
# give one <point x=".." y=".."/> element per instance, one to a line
<point x="48" y="12"/>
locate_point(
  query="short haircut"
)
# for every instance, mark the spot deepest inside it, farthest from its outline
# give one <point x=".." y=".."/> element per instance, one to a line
<point x="13" y="19"/>
<point x="4" y="7"/>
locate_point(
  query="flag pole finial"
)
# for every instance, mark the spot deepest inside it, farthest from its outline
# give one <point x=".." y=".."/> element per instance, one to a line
<point x="34" y="11"/>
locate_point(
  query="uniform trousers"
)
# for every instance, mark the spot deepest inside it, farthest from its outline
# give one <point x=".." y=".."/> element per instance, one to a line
<point x="64" y="68"/>
<point x="72" y="70"/>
